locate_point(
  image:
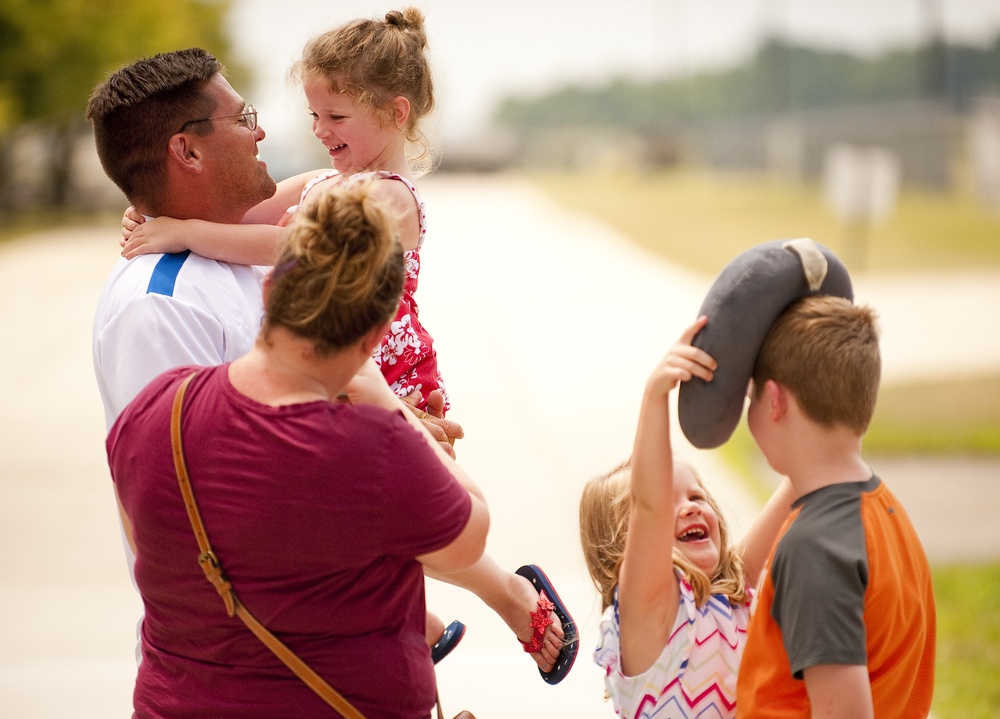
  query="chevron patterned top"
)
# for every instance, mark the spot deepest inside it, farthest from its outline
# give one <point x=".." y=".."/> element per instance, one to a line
<point x="694" y="676"/>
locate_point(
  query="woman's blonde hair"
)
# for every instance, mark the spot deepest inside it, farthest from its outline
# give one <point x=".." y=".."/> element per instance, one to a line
<point x="376" y="61"/>
<point x="340" y="273"/>
<point x="604" y="514"/>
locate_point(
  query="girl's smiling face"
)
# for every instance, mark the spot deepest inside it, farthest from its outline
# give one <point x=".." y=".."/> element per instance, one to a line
<point x="697" y="533"/>
<point x="357" y="137"/>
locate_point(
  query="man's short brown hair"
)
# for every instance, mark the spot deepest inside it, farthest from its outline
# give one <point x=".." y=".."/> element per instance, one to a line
<point x="138" y="108"/>
<point x="825" y="350"/>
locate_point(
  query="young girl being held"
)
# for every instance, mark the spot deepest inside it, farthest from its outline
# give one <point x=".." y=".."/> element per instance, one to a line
<point x="368" y="85"/>
<point x="673" y="631"/>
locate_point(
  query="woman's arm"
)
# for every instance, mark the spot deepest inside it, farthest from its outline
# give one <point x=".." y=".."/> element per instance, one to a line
<point x="648" y="594"/>
<point x="369" y="387"/>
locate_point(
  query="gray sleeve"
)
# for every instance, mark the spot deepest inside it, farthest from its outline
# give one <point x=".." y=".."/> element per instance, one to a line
<point x="820" y="573"/>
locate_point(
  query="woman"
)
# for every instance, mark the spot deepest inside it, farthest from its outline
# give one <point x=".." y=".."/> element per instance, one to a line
<point x="323" y="513"/>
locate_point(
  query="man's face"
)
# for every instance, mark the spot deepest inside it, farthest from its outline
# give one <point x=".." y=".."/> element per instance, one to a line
<point x="238" y="178"/>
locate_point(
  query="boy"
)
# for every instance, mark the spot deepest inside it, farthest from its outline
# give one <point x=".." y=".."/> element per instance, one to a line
<point x="845" y="622"/>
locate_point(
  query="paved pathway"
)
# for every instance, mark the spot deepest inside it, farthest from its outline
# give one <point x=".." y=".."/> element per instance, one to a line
<point x="547" y="324"/>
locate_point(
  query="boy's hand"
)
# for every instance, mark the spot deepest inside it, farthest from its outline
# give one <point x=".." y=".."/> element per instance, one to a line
<point x="682" y="362"/>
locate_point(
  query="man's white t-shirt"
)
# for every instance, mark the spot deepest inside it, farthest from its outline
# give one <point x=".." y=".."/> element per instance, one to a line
<point x="157" y="312"/>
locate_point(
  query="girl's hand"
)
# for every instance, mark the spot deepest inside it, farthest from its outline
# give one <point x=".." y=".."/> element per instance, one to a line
<point x="682" y="362"/>
<point x="131" y="219"/>
<point x="158" y="235"/>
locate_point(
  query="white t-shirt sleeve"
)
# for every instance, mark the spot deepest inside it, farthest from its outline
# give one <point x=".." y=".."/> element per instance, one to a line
<point x="150" y="335"/>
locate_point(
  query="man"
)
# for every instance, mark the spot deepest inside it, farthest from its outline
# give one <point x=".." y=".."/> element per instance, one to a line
<point x="178" y="140"/>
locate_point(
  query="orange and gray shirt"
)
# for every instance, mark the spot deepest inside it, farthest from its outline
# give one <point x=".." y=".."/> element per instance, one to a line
<point x="847" y="583"/>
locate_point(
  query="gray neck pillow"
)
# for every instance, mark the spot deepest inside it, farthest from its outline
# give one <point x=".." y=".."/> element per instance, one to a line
<point x="741" y="305"/>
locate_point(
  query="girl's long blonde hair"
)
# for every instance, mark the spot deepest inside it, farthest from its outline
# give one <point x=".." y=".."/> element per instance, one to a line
<point x="604" y="514"/>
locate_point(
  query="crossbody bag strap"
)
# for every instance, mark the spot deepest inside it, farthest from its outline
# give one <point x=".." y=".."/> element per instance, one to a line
<point x="213" y="572"/>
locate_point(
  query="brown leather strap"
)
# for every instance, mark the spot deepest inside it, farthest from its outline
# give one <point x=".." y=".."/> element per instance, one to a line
<point x="213" y="572"/>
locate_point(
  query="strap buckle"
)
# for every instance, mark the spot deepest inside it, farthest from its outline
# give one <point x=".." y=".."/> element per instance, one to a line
<point x="212" y="568"/>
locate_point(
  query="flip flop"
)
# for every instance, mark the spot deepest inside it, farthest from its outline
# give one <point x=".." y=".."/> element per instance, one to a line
<point x="452" y="635"/>
<point x="571" y="642"/>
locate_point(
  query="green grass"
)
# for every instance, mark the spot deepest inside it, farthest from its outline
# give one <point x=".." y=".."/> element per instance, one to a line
<point x="942" y="417"/>
<point x="968" y="664"/>
<point x="702" y="220"/>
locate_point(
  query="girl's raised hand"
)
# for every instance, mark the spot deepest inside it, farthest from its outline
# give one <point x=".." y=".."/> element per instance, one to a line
<point x="682" y="362"/>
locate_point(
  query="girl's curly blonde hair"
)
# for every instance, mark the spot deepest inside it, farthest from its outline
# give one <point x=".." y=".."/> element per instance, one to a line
<point x="375" y="61"/>
<point x="604" y="514"/>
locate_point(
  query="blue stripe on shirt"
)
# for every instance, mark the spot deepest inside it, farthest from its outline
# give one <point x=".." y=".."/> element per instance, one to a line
<point x="165" y="274"/>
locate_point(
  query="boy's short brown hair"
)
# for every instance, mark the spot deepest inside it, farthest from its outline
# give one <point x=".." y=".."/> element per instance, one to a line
<point x="825" y="351"/>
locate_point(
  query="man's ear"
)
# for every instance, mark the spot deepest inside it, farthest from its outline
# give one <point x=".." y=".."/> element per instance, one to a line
<point x="400" y="109"/>
<point x="185" y="152"/>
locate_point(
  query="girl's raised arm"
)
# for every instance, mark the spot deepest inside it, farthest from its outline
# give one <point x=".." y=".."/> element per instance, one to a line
<point x="271" y="210"/>
<point x="648" y="595"/>
<point x="756" y="545"/>
<point x="239" y="244"/>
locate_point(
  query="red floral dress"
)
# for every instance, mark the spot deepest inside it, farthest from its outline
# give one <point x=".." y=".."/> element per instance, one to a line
<point x="406" y="353"/>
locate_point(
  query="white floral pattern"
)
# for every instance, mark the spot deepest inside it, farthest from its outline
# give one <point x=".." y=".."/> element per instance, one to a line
<point x="406" y="353"/>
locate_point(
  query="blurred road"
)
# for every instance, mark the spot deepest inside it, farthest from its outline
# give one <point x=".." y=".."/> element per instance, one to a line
<point x="546" y="324"/>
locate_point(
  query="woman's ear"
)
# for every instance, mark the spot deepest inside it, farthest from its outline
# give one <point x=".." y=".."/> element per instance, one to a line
<point x="400" y="109"/>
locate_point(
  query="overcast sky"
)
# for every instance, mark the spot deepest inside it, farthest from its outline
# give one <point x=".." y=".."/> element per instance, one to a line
<point x="482" y="52"/>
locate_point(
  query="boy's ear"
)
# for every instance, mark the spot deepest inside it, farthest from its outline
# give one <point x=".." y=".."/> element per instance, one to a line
<point x="185" y="152"/>
<point x="777" y="397"/>
<point x="400" y="108"/>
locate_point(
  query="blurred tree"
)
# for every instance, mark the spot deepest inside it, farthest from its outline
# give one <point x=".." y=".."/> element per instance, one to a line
<point x="53" y="52"/>
<point x="781" y="77"/>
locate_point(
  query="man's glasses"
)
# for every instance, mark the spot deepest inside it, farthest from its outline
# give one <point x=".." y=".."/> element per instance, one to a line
<point x="249" y="115"/>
